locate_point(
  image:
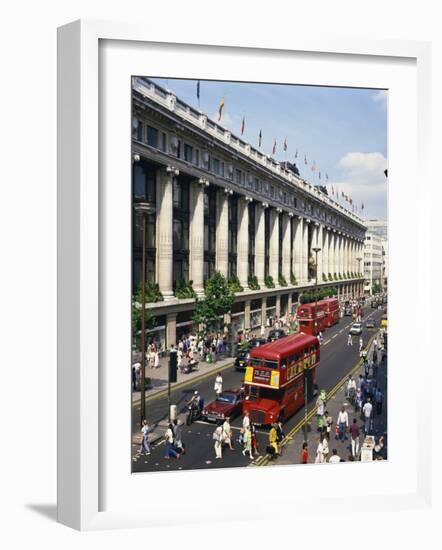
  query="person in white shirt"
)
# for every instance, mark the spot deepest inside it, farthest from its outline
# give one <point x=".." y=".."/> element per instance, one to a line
<point x="227" y="434"/>
<point x="335" y="458"/>
<point x="319" y="459"/>
<point x="366" y="411"/>
<point x="342" y="423"/>
<point x="218" y="437"/>
<point x="218" y="386"/>
<point x="156" y="361"/>
<point x="145" y="446"/>
<point x="245" y="426"/>
<point x="324" y="448"/>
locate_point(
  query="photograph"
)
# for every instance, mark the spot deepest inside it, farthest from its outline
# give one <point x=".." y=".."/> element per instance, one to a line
<point x="259" y="274"/>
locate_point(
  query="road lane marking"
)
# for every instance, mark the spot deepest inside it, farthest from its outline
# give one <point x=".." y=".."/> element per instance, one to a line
<point x="334" y="336"/>
<point x="267" y="458"/>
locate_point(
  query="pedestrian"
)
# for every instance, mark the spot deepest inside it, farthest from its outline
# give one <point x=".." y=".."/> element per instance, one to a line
<point x="152" y="357"/>
<point x="350" y="340"/>
<point x="156" y="360"/>
<point x="227" y="434"/>
<point x="366" y="413"/>
<point x="351" y="388"/>
<point x="319" y="459"/>
<point x="218" y="386"/>
<point x="273" y="440"/>
<point x="177" y="433"/>
<point x="145" y="446"/>
<point x="378" y="398"/>
<point x="324" y="448"/>
<point x="354" y="433"/>
<point x="375" y="344"/>
<point x="320" y="405"/>
<point x="320" y="338"/>
<point x="303" y="457"/>
<point x="134" y="378"/>
<point x="361" y="344"/>
<point x="248" y="443"/>
<point x="342" y="422"/>
<point x="359" y="397"/>
<point x="328" y="423"/>
<point x="377" y="449"/>
<point x="280" y="434"/>
<point x="263" y="331"/>
<point x="255" y="449"/>
<point x="170" y="449"/>
<point x="335" y="458"/>
<point x="218" y="438"/>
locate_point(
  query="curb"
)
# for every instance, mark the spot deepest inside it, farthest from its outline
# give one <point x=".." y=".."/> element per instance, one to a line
<point x="178" y="385"/>
<point x="264" y="460"/>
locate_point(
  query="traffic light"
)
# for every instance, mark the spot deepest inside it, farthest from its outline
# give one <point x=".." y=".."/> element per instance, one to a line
<point x="173" y="366"/>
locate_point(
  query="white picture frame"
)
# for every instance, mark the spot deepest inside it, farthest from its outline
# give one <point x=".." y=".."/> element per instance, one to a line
<point x="83" y="297"/>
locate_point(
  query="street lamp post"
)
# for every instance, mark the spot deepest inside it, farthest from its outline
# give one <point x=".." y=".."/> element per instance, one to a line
<point x="359" y="268"/>
<point x="143" y="325"/>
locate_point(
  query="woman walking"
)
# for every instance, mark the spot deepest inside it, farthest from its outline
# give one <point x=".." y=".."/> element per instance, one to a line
<point x="145" y="446"/>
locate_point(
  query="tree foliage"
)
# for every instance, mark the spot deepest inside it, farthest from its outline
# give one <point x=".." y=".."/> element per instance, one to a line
<point x="218" y="300"/>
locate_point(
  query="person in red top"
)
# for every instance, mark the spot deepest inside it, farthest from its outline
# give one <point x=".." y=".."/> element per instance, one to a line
<point x="354" y="432"/>
<point x="304" y="454"/>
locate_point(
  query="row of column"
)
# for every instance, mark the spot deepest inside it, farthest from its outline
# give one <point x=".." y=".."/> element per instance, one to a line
<point x="338" y="252"/>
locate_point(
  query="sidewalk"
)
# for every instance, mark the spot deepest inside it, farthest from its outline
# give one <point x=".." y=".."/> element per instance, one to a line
<point x="293" y="444"/>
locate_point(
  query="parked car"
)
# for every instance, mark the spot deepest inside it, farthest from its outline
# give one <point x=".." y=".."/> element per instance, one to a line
<point x="228" y="405"/>
<point x="276" y="334"/>
<point x="356" y="329"/>
<point x="348" y="311"/>
<point x="370" y="324"/>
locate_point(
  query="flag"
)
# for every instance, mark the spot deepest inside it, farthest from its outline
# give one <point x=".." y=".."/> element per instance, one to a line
<point x="274" y="147"/>
<point x="333" y="191"/>
<point x="305" y="160"/>
<point x="220" y="109"/>
<point x="243" y="124"/>
<point x="314" y="166"/>
<point x="296" y="153"/>
<point x="285" y="144"/>
<point x="260" y="138"/>
<point x="198" y="90"/>
<point x="362" y="206"/>
<point x="343" y="193"/>
<point x="351" y="201"/>
<point x="326" y="176"/>
<point x="319" y="174"/>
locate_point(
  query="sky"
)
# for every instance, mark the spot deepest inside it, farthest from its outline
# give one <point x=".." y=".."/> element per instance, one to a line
<point x="342" y="130"/>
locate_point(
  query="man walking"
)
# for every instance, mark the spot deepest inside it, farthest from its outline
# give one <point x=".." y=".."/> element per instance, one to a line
<point x="218" y="386"/>
<point x="378" y="398"/>
<point x="218" y="438"/>
<point x="342" y="423"/>
<point x="366" y="412"/>
<point x="354" y="433"/>
<point x="350" y="340"/>
<point x="177" y="432"/>
<point x="145" y="446"/>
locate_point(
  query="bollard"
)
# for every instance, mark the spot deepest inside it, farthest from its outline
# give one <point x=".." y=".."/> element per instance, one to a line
<point x="173" y="413"/>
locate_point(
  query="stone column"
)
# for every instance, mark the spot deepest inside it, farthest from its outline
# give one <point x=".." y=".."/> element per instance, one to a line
<point x="305" y="251"/>
<point x="170" y="330"/>
<point x="320" y="244"/>
<point x="164" y="230"/>
<point x="274" y="246"/>
<point x="286" y="247"/>
<point x="341" y="254"/>
<point x="297" y="250"/>
<point x="247" y="315"/>
<point x="260" y="244"/>
<point x="331" y="253"/>
<point x="196" y="236"/>
<point x="222" y="233"/>
<point x="289" y="303"/>
<point x="278" y="306"/>
<point x="263" y="311"/>
<point x="242" y="266"/>
<point x="325" y="256"/>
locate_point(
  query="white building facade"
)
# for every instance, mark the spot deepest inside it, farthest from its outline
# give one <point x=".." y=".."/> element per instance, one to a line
<point x="374" y="263"/>
<point x="211" y="202"/>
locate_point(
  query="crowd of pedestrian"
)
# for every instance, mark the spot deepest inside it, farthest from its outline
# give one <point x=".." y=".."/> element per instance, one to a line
<point x="366" y="397"/>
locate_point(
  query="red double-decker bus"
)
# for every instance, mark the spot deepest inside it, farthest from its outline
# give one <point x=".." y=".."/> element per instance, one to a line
<point x="314" y="317"/>
<point x="331" y="310"/>
<point x="277" y="376"/>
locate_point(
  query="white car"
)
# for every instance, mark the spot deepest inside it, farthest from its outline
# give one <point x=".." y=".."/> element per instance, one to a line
<point x="356" y="328"/>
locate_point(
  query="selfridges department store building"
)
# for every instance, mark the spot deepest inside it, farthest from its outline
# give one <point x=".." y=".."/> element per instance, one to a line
<point x="211" y="202"/>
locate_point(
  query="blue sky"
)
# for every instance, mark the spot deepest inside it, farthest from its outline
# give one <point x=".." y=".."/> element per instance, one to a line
<point x="344" y="130"/>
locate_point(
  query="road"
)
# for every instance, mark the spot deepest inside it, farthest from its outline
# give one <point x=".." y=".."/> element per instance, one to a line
<point x="337" y="359"/>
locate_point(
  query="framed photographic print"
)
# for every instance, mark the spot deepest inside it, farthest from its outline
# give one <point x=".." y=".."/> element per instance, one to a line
<point x="233" y="225"/>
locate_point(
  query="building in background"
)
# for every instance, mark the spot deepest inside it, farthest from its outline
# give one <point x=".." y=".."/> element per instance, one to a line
<point x="374" y="267"/>
<point x="212" y="202"/>
<point x="379" y="228"/>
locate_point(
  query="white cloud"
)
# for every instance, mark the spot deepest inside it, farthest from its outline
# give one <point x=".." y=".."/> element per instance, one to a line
<point x="381" y="97"/>
<point x="362" y="179"/>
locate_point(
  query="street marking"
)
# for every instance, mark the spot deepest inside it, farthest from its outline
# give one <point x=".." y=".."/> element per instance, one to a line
<point x="334" y="336"/>
<point x="184" y="383"/>
<point x="267" y="458"/>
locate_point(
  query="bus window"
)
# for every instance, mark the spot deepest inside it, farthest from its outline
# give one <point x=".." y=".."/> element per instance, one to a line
<point x="283" y="363"/>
